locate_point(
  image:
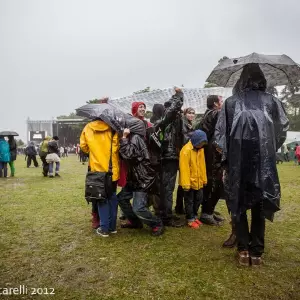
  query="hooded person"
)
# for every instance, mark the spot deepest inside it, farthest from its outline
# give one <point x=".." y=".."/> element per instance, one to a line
<point x="43" y="154"/>
<point x="4" y="156"/>
<point x="31" y="155"/>
<point x="154" y="148"/>
<point x="193" y="175"/>
<point x="102" y="144"/>
<point x="140" y="177"/>
<point x="251" y="127"/>
<point x="171" y="137"/>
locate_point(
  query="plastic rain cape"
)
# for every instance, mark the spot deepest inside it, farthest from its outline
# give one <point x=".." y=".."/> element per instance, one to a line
<point x="251" y="127"/>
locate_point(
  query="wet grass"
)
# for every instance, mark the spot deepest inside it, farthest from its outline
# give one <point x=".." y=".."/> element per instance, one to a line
<point x="46" y="241"/>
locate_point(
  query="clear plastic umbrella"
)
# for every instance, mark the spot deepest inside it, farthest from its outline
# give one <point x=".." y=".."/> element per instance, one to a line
<point x="277" y="69"/>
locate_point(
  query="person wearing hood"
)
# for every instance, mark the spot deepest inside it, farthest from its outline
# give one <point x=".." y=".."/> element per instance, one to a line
<point x="140" y="178"/>
<point x="155" y="157"/>
<point x="31" y="155"/>
<point x="102" y="144"/>
<point x="251" y="126"/>
<point x="171" y="143"/>
<point x="43" y="154"/>
<point x="13" y="154"/>
<point x="4" y="156"/>
<point x="193" y="175"/>
<point x="187" y="130"/>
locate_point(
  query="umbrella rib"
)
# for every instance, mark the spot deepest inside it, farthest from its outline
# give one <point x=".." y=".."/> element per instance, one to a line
<point x="281" y="71"/>
<point x="232" y="74"/>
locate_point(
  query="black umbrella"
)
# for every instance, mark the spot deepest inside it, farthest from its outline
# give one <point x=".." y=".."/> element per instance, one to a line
<point x="8" y="133"/>
<point x="114" y="117"/>
<point x="277" y="69"/>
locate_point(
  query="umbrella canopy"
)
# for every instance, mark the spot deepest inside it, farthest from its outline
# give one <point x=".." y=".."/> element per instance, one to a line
<point x="8" y="133"/>
<point x="115" y="118"/>
<point x="277" y="69"/>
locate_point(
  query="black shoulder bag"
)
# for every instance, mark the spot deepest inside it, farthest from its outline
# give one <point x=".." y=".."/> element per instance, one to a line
<point x="99" y="185"/>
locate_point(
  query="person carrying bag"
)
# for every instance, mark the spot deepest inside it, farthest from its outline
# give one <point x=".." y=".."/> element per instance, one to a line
<point x="102" y="144"/>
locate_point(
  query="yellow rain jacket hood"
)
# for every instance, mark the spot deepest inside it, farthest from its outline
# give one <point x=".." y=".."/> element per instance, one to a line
<point x="192" y="168"/>
<point x="96" y="139"/>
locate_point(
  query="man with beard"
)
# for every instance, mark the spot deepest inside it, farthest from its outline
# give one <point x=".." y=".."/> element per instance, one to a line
<point x="214" y="188"/>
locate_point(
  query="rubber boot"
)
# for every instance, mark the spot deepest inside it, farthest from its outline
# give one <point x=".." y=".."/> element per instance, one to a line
<point x="95" y="220"/>
<point x="231" y="241"/>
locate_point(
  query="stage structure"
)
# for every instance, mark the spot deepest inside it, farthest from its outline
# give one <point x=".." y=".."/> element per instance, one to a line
<point x="68" y="130"/>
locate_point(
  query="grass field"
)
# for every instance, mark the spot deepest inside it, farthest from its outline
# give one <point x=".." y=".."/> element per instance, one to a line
<point x="46" y="241"/>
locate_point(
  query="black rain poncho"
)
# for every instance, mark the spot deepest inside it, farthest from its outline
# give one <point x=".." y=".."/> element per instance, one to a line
<point x="140" y="175"/>
<point x="251" y="127"/>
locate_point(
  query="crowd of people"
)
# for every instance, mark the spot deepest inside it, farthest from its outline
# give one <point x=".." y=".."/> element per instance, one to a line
<point x="229" y="154"/>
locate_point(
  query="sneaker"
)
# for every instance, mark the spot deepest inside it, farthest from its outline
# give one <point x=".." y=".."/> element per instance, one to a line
<point x="173" y="223"/>
<point x="209" y="220"/>
<point x="157" y="231"/>
<point x="256" y="260"/>
<point x="51" y="176"/>
<point x="198" y="222"/>
<point x="57" y="175"/>
<point x="193" y="224"/>
<point x="131" y="225"/>
<point x="218" y="217"/>
<point x="230" y="242"/>
<point x="243" y="258"/>
<point x="113" y="231"/>
<point x="102" y="233"/>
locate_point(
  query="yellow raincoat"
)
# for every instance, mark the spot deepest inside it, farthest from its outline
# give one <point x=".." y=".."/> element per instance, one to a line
<point x="192" y="168"/>
<point x="95" y="139"/>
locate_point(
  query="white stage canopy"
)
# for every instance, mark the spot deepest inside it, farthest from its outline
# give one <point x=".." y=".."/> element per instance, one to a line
<point x="193" y="97"/>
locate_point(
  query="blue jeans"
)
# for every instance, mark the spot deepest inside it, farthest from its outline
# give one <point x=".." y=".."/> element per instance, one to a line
<point x="56" y="167"/>
<point x="140" y="208"/>
<point x="108" y="211"/>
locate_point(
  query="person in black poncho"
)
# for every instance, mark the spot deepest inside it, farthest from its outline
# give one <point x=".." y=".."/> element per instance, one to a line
<point x="251" y="126"/>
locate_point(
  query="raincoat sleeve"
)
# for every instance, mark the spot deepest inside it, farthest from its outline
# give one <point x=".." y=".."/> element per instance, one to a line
<point x="220" y="139"/>
<point x="203" y="168"/>
<point x="184" y="168"/>
<point x="83" y="143"/>
<point x="173" y="110"/>
<point x="129" y="150"/>
<point x="281" y="124"/>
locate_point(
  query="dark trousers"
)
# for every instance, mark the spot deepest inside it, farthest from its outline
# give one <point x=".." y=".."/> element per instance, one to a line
<point x="45" y="165"/>
<point x="154" y="193"/>
<point x="179" y="200"/>
<point x="168" y="181"/>
<point x="211" y="194"/>
<point x="3" y="169"/>
<point x="32" y="158"/>
<point x="192" y="201"/>
<point x="253" y="241"/>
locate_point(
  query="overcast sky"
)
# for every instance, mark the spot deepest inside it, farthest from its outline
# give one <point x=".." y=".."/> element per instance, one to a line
<point x="56" y="54"/>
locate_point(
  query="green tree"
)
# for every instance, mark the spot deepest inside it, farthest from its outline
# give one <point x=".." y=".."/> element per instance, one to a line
<point x="272" y="90"/>
<point x="145" y="90"/>
<point x="222" y="59"/>
<point x="70" y="116"/>
<point x="93" y="101"/>
<point x="209" y="85"/>
<point x="20" y="143"/>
